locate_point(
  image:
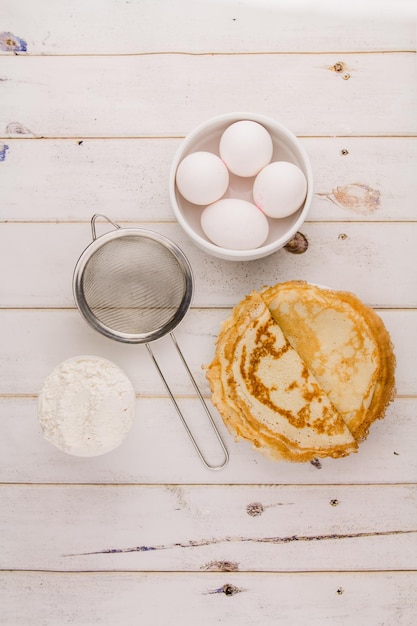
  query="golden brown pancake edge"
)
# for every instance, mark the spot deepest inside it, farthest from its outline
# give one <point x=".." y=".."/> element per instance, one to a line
<point x="237" y="416"/>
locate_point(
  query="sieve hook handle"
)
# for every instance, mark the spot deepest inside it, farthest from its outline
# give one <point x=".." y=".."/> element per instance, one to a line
<point x="93" y="223"/>
<point x="187" y="428"/>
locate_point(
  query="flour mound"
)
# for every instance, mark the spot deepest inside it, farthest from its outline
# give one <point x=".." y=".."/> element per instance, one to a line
<point x="86" y="406"/>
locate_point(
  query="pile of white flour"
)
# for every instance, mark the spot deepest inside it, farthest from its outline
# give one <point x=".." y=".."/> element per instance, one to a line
<point x="86" y="406"/>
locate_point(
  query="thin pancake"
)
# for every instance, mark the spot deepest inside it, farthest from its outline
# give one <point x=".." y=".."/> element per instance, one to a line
<point x="345" y="344"/>
<point x="266" y="393"/>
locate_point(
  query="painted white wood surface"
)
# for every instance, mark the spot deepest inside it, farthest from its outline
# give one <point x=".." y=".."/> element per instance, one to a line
<point x="75" y="178"/>
<point x="167" y="528"/>
<point x="366" y="259"/>
<point x="157" y="451"/>
<point x="137" y="95"/>
<point x="93" y="107"/>
<point x="32" y="340"/>
<point x="199" y="26"/>
<point x="236" y="599"/>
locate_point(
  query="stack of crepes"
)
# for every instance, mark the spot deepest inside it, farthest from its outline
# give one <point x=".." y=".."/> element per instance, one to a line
<point x="302" y="371"/>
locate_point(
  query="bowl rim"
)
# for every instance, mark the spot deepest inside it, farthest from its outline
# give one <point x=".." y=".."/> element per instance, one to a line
<point x="232" y="117"/>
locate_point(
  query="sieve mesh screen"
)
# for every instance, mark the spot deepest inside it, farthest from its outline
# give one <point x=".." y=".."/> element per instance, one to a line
<point x="133" y="285"/>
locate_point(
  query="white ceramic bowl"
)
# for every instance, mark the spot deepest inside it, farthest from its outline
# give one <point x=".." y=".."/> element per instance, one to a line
<point x="206" y="137"/>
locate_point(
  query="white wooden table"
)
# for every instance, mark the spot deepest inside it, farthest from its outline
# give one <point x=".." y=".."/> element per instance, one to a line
<point x="95" y="97"/>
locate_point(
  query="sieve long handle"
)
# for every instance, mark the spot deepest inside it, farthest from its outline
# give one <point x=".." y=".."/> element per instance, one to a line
<point x="187" y="428"/>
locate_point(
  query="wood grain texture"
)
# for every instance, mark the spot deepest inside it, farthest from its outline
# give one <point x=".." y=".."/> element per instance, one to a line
<point x="76" y="177"/>
<point x="237" y="599"/>
<point x="387" y="456"/>
<point x="133" y="104"/>
<point x="205" y="25"/>
<point x="35" y="341"/>
<point x="43" y="257"/>
<point x="174" y="528"/>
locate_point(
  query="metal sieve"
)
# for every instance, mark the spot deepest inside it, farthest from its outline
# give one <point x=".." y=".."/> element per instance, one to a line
<point x="135" y="286"/>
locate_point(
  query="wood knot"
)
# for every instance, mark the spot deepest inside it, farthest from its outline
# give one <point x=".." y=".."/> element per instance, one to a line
<point x="298" y="244"/>
<point x="11" y="43"/>
<point x="221" y="566"/>
<point x="230" y="590"/>
<point x="316" y="463"/>
<point x="356" y="197"/>
<point x="255" y="509"/>
<point x="340" y="67"/>
<point x="344" y="152"/>
<point x="16" y="128"/>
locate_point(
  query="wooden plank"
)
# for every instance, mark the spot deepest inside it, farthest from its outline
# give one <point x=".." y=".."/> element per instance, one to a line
<point x="185" y="528"/>
<point x="34" y="341"/>
<point x="357" y="257"/>
<point x="69" y="179"/>
<point x="119" y="96"/>
<point x="387" y="456"/>
<point x="206" y="25"/>
<point x="232" y="598"/>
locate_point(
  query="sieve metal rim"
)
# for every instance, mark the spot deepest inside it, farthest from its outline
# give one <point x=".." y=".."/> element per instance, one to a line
<point x="120" y="233"/>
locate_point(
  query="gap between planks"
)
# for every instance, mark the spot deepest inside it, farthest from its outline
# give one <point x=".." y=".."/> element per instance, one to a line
<point x="78" y="222"/>
<point x="198" y="308"/>
<point x="212" y="485"/>
<point x="211" y="53"/>
<point x="33" y="137"/>
<point x="148" y="396"/>
<point x="212" y="573"/>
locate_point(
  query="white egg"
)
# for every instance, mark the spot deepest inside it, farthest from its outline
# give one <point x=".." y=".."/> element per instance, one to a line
<point x="235" y="224"/>
<point x="280" y="189"/>
<point x="246" y="147"/>
<point x="202" y="177"/>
